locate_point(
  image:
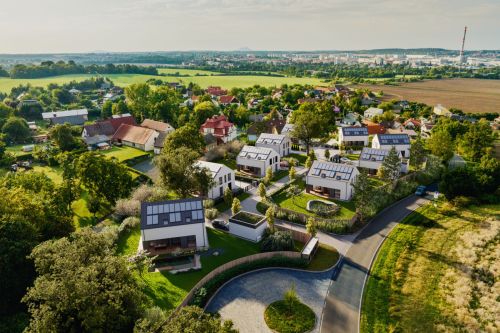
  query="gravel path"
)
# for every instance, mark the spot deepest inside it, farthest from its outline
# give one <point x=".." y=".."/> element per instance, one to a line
<point x="244" y="299"/>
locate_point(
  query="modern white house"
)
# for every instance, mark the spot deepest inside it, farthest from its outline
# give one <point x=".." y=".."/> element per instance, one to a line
<point x="331" y="180"/>
<point x="222" y="176"/>
<point x="353" y="136"/>
<point x="280" y="143"/>
<point x="399" y="141"/>
<point x="372" y="112"/>
<point x="371" y="159"/>
<point x="255" y="160"/>
<point x="168" y="226"/>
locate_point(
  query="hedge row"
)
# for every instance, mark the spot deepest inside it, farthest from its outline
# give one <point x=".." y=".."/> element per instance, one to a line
<point x="203" y="295"/>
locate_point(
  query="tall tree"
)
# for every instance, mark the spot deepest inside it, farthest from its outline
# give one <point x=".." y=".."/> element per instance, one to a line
<point x="441" y="145"/>
<point x="307" y="124"/>
<point x="82" y="286"/>
<point x="164" y="103"/>
<point x="417" y="153"/>
<point x="477" y="141"/>
<point x="62" y="136"/>
<point x="203" y="111"/>
<point x="137" y="95"/>
<point x="391" y="166"/>
<point x="186" y="136"/>
<point x="16" y="130"/>
<point x="363" y="195"/>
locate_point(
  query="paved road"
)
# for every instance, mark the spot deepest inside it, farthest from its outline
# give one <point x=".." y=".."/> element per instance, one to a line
<point x="343" y="301"/>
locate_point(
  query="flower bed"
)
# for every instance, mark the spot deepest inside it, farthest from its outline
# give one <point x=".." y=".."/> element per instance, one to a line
<point x="322" y="207"/>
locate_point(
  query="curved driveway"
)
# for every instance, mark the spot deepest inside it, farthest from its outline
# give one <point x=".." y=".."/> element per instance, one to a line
<point x="343" y="302"/>
<point x="244" y="299"/>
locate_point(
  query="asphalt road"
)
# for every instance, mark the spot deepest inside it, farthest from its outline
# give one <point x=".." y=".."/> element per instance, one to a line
<point x="343" y="301"/>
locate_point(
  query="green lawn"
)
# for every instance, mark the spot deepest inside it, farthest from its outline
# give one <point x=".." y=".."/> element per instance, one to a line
<point x="81" y="215"/>
<point x="299" y="157"/>
<point x="279" y="174"/>
<point x="167" y="290"/>
<point x="186" y="71"/>
<point x="376" y="182"/>
<point x="123" y="80"/>
<point x="123" y="153"/>
<point x="435" y="273"/>
<point x="17" y="149"/>
<point x="53" y="172"/>
<point x="229" y="162"/>
<point x="325" y="257"/>
<point x="222" y="207"/>
<point x="299" y="203"/>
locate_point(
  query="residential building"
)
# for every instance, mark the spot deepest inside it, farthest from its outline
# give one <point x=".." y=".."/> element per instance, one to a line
<point x="371" y="159"/>
<point x="158" y="126"/>
<point x="399" y="141"/>
<point x="353" y="136"/>
<point x="280" y="143"/>
<point x="273" y="126"/>
<point x="73" y="117"/>
<point x="331" y="180"/>
<point x="103" y="130"/>
<point x="136" y="136"/>
<point x="440" y="110"/>
<point x="255" y="160"/>
<point x="350" y="119"/>
<point x="159" y="142"/>
<point x="225" y="100"/>
<point x="373" y="128"/>
<point x="412" y="123"/>
<point x="222" y="176"/>
<point x="219" y="127"/>
<point x="168" y="226"/>
<point x="372" y="112"/>
<point x="216" y="91"/>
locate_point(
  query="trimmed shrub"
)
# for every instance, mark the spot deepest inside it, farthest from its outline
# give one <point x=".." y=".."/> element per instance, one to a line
<point x="278" y="241"/>
<point x="211" y="213"/>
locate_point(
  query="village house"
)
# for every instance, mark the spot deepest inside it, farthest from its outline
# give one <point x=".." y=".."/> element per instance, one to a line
<point x="158" y="126"/>
<point x="399" y="141"/>
<point x="440" y="110"/>
<point x="350" y="119"/>
<point x="353" y="136"/>
<point x="226" y="100"/>
<point x="222" y="176"/>
<point x="253" y="103"/>
<point x="412" y="123"/>
<point x="159" y="142"/>
<point x="273" y="126"/>
<point x="331" y="180"/>
<point x="278" y="142"/>
<point x="371" y="159"/>
<point x="372" y="112"/>
<point x="103" y="130"/>
<point x="220" y="128"/>
<point x="135" y="136"/>
<point x="255" y="161"/>
<point x="173" y="225"/>
<point x="373" y="128"/>
<point x="215" y="91"/>
<point x="72" y="117"/>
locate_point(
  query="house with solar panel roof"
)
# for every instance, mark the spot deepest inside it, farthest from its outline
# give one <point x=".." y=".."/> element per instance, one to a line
<point x="331" y="180"/>
<point x="173" y="225"/>
<point x="280" y="143"/>
<point x="371" y="159"/>
<point x="254" y="161"/>
<point x="399" y="141"/>
<point x="353" y="136"/>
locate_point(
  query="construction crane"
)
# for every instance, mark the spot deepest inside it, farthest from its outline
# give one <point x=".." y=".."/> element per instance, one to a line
<point x="462" y="58"/>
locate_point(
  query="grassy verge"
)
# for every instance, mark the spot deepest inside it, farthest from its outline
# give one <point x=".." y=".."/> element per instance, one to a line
<point x="425" y="277"/>
<point x="299" y="157"/>
<point x="325" y="257"/>
<point x="289" y="317"/>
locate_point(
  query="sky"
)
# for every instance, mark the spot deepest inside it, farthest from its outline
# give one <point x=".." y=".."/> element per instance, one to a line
<point x="50" y="26"/>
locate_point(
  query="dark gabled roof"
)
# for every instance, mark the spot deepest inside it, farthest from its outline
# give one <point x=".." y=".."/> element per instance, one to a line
<point x="354" y="131"/>
<point x="393" y="139"/>
<point x="160" y="140"/>
<point x="172" y="213"/>
<point x="335" y="171"/>
<point x="268" y="126"/>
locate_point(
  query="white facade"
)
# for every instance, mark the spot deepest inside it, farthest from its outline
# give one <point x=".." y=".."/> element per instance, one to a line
<point x="353" y="136"/>
<point x="333" y="180"/>
<point x="280" y="143"/>
<point x="372" y="159"/>
<point x="254" y="235"/>
<point x="195" y="229"/>
<point x="146" y="146"/>
<point x="222" y="176"/>
<point x="256" y="160"/>
<point x="399" y="141"/>
<point x="372" y="112"/>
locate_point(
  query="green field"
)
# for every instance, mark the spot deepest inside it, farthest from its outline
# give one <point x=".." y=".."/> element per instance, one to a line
<point x="186" y="71"/>
<point x="123" y="80"/>
<point x="436" y="272"/>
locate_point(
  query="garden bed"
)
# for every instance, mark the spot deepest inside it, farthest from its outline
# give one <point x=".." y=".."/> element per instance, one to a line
<point x="289" y="317"/>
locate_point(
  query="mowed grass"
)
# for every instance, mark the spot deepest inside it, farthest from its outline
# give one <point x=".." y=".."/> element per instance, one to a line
<point x="123" y="80"/>
<point x="123" y="153"/>
<point x="423" y="278"/>
<point x="469" y="95"/>
<point x="167" y="290"/>
<point x="325" y="257"/>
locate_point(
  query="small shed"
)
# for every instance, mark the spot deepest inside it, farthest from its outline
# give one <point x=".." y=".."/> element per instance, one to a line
<point x="248" y="225"/>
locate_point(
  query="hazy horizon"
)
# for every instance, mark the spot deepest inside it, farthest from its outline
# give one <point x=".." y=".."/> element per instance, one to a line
<point x="74" y="26"/>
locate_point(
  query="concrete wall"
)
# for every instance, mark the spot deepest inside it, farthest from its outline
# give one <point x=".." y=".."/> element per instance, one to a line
<point x="251" y="234"/>
<point x="194" y="229"/>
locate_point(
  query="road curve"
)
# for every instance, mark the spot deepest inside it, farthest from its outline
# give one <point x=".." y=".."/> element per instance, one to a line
<point x="343" y="301"/>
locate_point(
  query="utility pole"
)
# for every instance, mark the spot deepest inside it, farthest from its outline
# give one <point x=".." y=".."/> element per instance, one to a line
<point x="462" y="59"/>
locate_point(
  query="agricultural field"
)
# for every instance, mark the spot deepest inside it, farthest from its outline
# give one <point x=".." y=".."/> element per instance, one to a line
<point x="469" y="95"/>
<point x="185" y="71"/>
<point x="123" y="80"/>
<point x="438" y="271"/>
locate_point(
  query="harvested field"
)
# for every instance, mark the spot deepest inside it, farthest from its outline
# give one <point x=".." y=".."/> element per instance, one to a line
<point x="469" y="95"/>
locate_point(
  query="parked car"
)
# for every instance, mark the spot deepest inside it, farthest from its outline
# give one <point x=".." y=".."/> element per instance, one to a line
<point x="222" y="225"/>
<point x="420" y="190"/>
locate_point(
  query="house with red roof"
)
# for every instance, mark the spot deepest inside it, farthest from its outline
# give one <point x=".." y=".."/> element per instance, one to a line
<point x="216" y="91"/>
<point x="412" y="123"/>
<point x="225" y="100"/>
<point x="220" y="128"/>
<point x="373" y="128"/>
<point x="103" y="130"/>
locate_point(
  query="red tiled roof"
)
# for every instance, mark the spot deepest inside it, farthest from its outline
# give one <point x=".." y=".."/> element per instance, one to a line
<point x="413" y="121"/>
<point x="216" y="91"/>
<point x="374" y="128"/>
<point x="226" y="99"/>
<point x="219" y="124"/>
<point x="109" y="126"/>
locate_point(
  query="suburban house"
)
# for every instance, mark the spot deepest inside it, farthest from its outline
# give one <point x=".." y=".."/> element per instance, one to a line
<point x="225" y="100"/>
<point x="222" y="176"/>
<point x="103" y="130"/>
<point x="350" y="119"/>
<point x="401" y="130"/>
<point x="373" y="128"/>
<point x="280" y="143"/>
<point x="412" y="123"/>
<point x="440" y="110"/>
<point x="168" y="226"/>
<point x="371" y="159"/>
<point x="158" y="126"/>
<point x="353" y="136"/>
<point x="272" y="126"/>
<point x="372" y="112"/>
<point x="73" y="117"/>
<point x="136" y="136"/>
<point x="216" y="91"/>
<point x="426" y="129"/>
<point x="331" y="180"/>
<point x="219" y="127"/>
<point x="256" y="160"/>
<point x="399" y="141"/>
